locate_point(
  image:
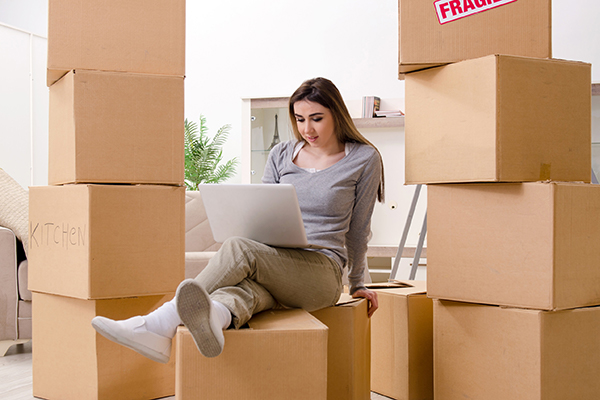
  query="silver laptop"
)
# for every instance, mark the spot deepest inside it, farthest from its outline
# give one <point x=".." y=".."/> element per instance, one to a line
<point x="267" y="213"/>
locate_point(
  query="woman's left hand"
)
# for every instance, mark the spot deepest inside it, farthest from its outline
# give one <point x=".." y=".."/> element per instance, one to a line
<point x="369" y="295"/>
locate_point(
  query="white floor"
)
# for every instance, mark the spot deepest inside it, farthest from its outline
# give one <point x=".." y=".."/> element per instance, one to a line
<point x="15" y="375"/>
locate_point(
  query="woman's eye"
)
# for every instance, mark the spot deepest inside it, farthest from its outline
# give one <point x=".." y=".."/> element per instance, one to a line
<point x="317" y="119"/>
<point x="299" y="120"/>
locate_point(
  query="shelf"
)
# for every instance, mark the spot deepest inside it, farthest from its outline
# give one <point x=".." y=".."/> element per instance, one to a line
<point x="270" y="102"/>
<point x="282" y="102"/>
<point x="386" y="122"/>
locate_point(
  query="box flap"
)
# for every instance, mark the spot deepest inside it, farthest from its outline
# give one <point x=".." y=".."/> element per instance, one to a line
<point x="347" y="300"/>
<point x="402" y="288"/>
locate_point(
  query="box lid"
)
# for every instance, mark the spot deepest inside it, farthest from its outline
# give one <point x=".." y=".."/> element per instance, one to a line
<point x="285" y="320"/>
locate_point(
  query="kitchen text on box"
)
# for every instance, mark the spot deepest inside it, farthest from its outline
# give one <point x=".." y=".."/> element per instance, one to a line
<point x="56" y="234"/>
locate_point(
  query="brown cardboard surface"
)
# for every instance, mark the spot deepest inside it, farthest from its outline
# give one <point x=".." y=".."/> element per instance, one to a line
<point x="106" y="241"/>
<point x="402" y="343"/>
<point x="521" y="28"/>
<point x="283" y="355"/>
<point x="497" y="353"/>
<point x="528" y="245"/>
<point x="499" y="119"/>
<point x="348" y="350"/>
<point x="73" y="362"/>
<point x="110" y="127"/>
<point x="108" y="35"/>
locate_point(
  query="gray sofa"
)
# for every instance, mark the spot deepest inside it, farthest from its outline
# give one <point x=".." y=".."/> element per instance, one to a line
<point x="15" y="298"/>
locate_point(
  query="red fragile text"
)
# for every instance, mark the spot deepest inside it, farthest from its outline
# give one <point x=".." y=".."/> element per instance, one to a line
<point x="451" y="10"/>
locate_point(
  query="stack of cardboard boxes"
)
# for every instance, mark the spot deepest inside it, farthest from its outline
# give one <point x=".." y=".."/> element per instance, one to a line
<point x="502" y="134"/>
<point x="107" y="235"/>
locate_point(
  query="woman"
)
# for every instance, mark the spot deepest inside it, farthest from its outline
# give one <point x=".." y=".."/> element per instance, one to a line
<point x="338" y="175"/>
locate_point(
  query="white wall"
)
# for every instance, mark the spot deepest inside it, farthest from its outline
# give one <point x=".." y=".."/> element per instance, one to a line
<point x="241" y="49"/>
<point x="23" y="91"/>
<point x="576" y="32"/>
<point x="29" y="15"/>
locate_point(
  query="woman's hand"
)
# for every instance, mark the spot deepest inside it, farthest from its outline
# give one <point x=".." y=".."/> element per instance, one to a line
<point x="371" y="296"/>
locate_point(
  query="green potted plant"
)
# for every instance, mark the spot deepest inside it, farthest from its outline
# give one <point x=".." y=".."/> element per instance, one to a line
<point x="203" y="155"/>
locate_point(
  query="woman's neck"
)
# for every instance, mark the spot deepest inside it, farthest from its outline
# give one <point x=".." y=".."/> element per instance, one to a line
<point x="320" y="158"/>
<point x="333" y="148"/>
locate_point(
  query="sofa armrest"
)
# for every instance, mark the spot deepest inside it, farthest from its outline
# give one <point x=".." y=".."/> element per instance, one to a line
<point x="9" y="296"/>
<point x="196" y="261"/>
<point x="22" y="273"/>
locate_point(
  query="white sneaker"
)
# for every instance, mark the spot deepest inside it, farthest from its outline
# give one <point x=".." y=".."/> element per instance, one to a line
<point x="132" y="333"/>
<point x="197" y="313"/>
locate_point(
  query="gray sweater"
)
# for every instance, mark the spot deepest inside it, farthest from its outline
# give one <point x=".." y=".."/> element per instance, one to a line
<point x="336" y="203"/>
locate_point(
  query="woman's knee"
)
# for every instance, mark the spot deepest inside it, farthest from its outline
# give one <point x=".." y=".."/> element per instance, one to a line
<point x="241" y="246"/>
<point x="236" y="243"/>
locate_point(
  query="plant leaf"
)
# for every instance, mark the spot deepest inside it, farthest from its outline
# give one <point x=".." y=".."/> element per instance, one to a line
<point x="203" y="155"/>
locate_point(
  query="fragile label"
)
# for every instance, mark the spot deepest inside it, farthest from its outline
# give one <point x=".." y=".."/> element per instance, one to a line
<point x="451" y="10"/>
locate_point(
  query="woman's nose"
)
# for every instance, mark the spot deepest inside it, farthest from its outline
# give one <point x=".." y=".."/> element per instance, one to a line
<point x="307" y="127"/>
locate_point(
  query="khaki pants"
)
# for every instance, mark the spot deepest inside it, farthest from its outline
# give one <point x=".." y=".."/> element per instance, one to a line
<point x="249" y="277"/>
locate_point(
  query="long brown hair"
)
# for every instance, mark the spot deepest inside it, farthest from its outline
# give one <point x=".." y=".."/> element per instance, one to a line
<point x="325" y="93"/>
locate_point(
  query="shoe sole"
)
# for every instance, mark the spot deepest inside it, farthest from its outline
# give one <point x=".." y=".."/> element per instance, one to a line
<point x="104" y="330"/>
<point x="194" y="308"/>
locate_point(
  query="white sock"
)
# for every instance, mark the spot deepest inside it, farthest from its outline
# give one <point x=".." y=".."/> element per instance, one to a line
<point x="223" y="313"/>
<point x="164" y="320"/>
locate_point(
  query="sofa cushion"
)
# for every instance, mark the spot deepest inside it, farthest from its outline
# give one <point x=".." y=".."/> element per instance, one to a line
<point x="24" y="320"/>
<point x="14" y="207"/>
<point x="198" y="235"/>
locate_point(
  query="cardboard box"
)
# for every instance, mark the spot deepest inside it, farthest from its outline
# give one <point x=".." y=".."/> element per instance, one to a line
<point x="348" y="349"/>
<point x="499" y="119"/>
<point x="283" y="355"/>
<point x="73" y="362"/>
<point x="402" y="341"/>
<point x="106" y="241"/>
<point x="110" y="127"/>
<point x="108" y="35"/>
<point x="532" y="245"/>
<point x="448" y="31"/>
<point x="495" y="353"/>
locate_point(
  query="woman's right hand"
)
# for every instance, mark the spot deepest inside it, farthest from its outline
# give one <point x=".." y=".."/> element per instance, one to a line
<point x="371" y="296"/>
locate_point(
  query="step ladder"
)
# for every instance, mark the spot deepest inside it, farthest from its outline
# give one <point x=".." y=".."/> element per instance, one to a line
<point x="419" y="248"/>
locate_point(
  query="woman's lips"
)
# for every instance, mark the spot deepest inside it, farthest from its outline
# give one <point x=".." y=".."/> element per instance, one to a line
<point x="311" y="138"/>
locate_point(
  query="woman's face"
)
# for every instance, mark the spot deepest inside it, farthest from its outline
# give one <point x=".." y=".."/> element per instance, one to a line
<point x="315" y="123"/>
